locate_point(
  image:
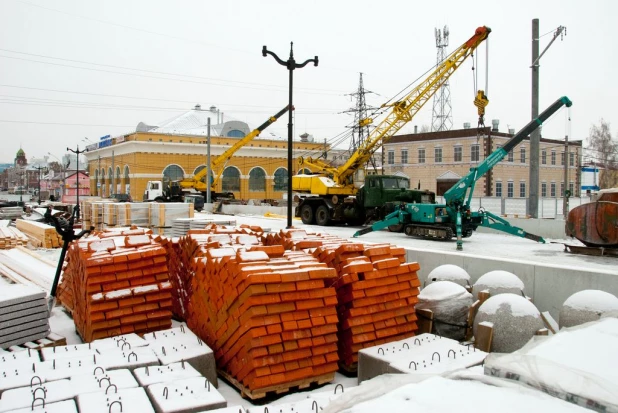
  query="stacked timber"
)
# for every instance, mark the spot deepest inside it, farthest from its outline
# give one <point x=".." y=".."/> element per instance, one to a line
<point x="11" y="237"/>
<point x="39" y="234"/>
<point x="116" y="282"/>
<point x="23" y="315"/>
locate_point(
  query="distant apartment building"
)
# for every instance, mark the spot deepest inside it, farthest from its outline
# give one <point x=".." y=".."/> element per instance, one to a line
<point x="437" y="160"/>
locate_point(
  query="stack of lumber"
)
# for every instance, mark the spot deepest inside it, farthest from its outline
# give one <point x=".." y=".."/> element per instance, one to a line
<point x="116" y="282"/>
<point x="23" y="315"/>
<point x="24" y="266"/>
<point x="11" y="237"/>
<point x="162" y="215"/>
<point x="40" y="235"/>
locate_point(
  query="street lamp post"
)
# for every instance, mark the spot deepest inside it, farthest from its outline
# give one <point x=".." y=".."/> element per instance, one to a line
<point x="291" y="65"/>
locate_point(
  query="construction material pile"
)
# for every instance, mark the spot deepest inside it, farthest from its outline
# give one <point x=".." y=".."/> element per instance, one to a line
<point x="11" y="237"/>
<point x="376" y="290"/>
<point x="41" y="235"/>
<point x="116" y="282"/>
<point x="23" y="315"/>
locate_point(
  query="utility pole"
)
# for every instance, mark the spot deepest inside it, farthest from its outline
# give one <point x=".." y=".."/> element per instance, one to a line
<point x="113" y="177"/>
<point x="567" y="193"/>
<point x="98" y="180"/>
<point x="208" y="171"/>
<point x="39" y="168"/>
<point x="535" y="136"/>
<point x="77" y="152"/>
<point x="291" y="65"/>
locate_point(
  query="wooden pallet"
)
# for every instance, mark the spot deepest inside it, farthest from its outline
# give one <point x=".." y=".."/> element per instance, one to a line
<point x="277" y="389"/>
<point x="52" y="340"/>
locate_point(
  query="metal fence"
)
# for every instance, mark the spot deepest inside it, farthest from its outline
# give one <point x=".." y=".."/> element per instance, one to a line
<point x="548" y="207"/>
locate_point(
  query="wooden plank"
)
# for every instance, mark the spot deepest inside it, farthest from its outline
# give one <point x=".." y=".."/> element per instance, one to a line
<point x="424" y="321"/>
<point x="484" y="336"/>
<point x="542" y="332"/>
<point x="549" y="321"/>
<point x="471" y="314"/>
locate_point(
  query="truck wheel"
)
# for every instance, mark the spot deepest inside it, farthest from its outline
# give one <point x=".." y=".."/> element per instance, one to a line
<point x="306" y="214"/>
<point x="322" y="216"/>
<point x="159" y="199"/>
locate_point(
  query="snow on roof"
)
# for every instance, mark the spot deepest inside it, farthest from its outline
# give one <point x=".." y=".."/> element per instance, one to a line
<point x="595" y="300"/>
<point x="193" y="122"/>
<point x="519" y="305"/>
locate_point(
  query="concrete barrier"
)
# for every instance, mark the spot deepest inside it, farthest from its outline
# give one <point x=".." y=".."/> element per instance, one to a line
<point x="546" y="228"/>
<point x="548" y="285"/>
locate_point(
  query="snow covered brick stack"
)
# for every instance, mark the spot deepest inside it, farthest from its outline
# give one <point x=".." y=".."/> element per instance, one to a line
<point x="118" y="282"/>
<point x="269" y="315"/>
<point x="376" y="291"/>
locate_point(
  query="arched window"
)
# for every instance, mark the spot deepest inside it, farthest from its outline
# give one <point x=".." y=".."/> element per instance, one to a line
<point x="257" y="180"/>
<point x="173" y="173"/>
<point x="110" y="174"/>
<point x="198" y="170"/>
<point x="127" y="181"/>
<point x="235" y="133"/>
<point x="305" y="171"/>
<point x="103" y="183"/>
<point x="230" y="181"/>
<point x="118" y="181"/>
<point x="281" y="180"/>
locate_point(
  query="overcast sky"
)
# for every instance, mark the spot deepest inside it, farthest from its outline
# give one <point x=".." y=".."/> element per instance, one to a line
<point x="72" y="69"/>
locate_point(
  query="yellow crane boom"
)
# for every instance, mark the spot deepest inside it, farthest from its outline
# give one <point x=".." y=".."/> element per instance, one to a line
<point x="218" y="164"/>
<point x="402" y="112"/>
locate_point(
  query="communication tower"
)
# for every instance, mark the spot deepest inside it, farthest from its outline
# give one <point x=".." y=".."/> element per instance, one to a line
<point x="442" y="118"/>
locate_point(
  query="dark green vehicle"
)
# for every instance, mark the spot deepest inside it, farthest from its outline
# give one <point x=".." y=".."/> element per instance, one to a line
<point x="379" y="196"/>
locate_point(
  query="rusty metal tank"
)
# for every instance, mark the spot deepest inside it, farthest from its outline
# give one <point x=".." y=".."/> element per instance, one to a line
<point x="596" y="223"/>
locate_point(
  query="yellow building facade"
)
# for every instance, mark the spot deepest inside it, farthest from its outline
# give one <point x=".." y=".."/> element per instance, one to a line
<point x="124" y="164"/>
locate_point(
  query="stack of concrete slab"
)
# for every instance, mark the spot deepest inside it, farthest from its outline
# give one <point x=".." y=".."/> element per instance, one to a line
<point x="23" y="315"/>
<point x="425" y="354"/>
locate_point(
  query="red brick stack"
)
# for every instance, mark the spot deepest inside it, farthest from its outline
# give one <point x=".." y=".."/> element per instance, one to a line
<point x="376" y="291"/>
<point x="122" y="276"/>
<point x="269" y="315"/>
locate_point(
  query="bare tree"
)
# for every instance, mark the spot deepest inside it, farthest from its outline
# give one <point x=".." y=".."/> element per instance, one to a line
<point x="605" y="152"/>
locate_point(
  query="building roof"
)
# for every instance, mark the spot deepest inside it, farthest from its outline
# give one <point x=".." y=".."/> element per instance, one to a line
<point x="195" y="122"/>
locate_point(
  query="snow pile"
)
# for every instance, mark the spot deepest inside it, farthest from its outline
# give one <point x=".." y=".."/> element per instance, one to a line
<point x="450" y="304"/>
<point x="585" y="306"/>
<point x="515" y="320"/>
<point x="576" y="364"/>
<point x="449" y="272"/>
<point x="498" y="282"/>
<point x="437" y="395"/>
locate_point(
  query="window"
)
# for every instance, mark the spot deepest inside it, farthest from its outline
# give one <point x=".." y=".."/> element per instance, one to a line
<point x="552" y="190"/>
<point x="230" y="180"/>
<point x="281" y="180"/>
<point x="571" y="160"/>
<point x="561" y="188"/>
<point x="458" y="153"/>
<point x="553" y="157"/>
<point x="438" y="155"/>
<point x="421" y="155"/>
<point x="544" y="189"/>
<point x="235" y="133"/>
<point x="511" y="157"/>
<point x="522" y="189"/>
<point x="509" y="189"/>
<point x="404" y="156"/>
<point x="572" y="188"/>
<point x="474" y="153"/>
<point x="562" y="158"/>
<point x="498" y="188"/>
<point x="544" y="157"/>
<point x="257" y="180"/>
<point x="173" y="173"/>
<point x="522" y="155"/>
<point x="391" y="157"/>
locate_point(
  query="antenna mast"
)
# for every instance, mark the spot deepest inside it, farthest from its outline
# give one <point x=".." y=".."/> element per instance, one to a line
<point x="442" y="118"/>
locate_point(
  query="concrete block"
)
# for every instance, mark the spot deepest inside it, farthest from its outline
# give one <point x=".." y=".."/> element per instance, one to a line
<point x="23" y="397"/>
<point x="102" y="380"/>
<point x="124" y="400"/>
<point x="67" y="406"/>
<point x="113" y="359"/>
<point x="185" y="396"/>
<point x="168" y="373"/>
<point x="180" y="343"/>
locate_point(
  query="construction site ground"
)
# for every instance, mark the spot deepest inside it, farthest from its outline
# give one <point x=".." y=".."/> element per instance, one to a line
<point x="501" y="250"/>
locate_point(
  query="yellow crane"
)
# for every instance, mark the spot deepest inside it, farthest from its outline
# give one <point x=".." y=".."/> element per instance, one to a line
<point x="329" y="185"/>
<point x="217" y="166"/>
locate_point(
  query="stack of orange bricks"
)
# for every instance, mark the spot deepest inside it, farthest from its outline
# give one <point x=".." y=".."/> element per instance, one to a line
<point x="376" y="290"/>
<point x="268" y="314"/>
<point x="116" y="282"/>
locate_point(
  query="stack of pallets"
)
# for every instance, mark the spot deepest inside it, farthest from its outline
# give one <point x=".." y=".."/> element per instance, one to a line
<point x="41" y="235"/>
<point x="23" y="315"/>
